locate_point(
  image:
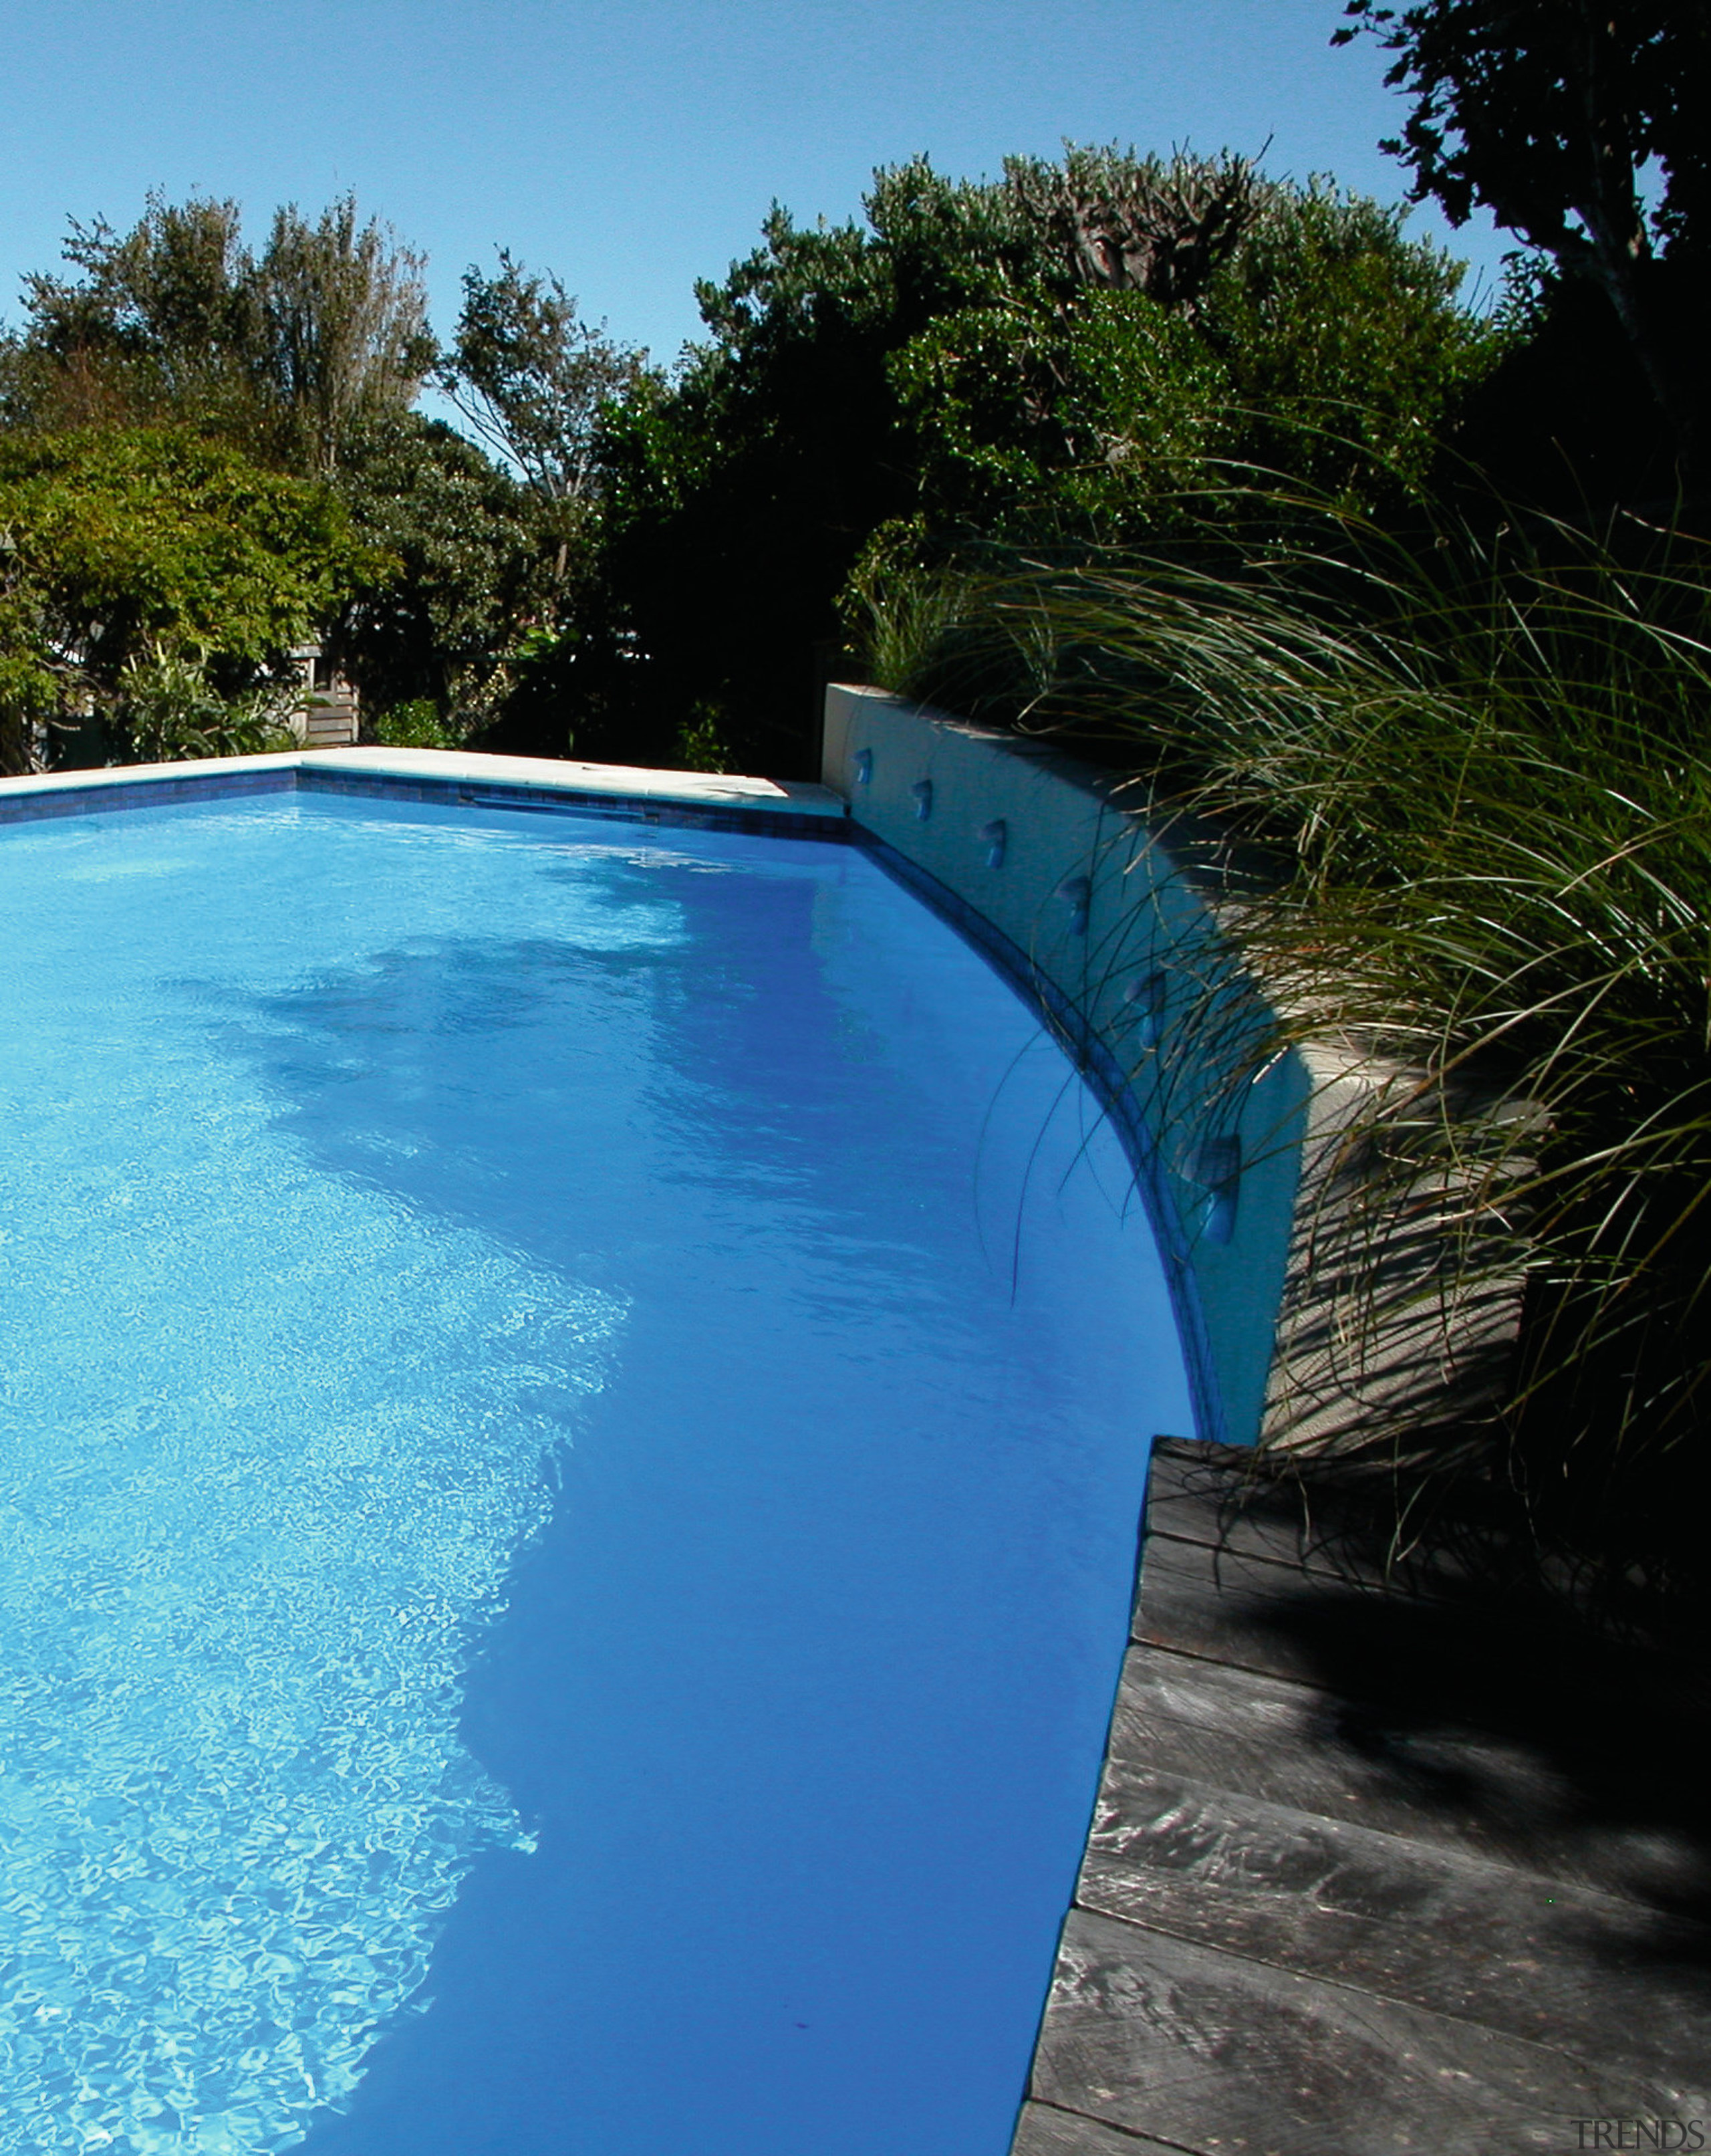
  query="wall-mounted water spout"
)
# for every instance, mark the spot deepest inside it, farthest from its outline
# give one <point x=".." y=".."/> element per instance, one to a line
<point x="1217" y="1168"/>
<point x="923" y="792"/>
<point x="1077" y="892"/>
<point x="995" y="837"/>
<point x="1147" y="995"/>
<point x="864" y="767"/>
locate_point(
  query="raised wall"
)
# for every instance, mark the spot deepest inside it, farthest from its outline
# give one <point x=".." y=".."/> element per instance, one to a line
<point x="1107" y="921"/>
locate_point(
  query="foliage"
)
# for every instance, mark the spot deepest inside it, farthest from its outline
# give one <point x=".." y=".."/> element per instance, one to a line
<point x="1328" y="348"/>
<point x="530" y="377"/>
<point x="698" y="745"/>
<point x="344" y="318"/>
<point x="1028" y="416"/>
<point x="738" y="497"/>
<point x="308" y="353"/>
<point x="1547" y="112"/>
<point x="414" y="725"/>
<point x="305" y="354"/>
<point x="165" y="710"/>
<point x="1348" y="354"/>
<point x="1465" y="800"/>
<point x="903" y="622"/>
<point x="742" y="495"/>
<point x="1565" y="421"/>
<point x="458" y="569"/>
<point x="124" y="543"/>
<point x="160" y="327"/>
<point x="285" y="352"/>
<point x="1049" y="357"/>
<point x="1126" y="224"/>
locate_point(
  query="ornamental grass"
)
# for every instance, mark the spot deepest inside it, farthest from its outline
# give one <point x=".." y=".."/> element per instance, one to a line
<point x="1461" y="782"/>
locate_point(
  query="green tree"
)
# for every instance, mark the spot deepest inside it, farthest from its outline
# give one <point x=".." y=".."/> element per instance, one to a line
<point x="1288" y="333"/>
<point x="738" y="496"/>
<point x="1547" y="112"/>
<point x="530" y="376"/>
<point x="1049" y="359"/>
<point x="344" y="325"/>
<point x="459" y="570"/>
<point x="123" y="548"/>
<point x="178" y="320"/>
<point x="1347" y="351"/>
<point x="742" y="494"/>
<point x="162" y="325"/>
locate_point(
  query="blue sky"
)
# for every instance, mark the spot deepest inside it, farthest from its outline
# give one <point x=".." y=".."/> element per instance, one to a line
<point x="632" y="149"/>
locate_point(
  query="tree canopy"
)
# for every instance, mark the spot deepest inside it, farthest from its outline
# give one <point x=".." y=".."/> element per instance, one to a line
<point x="304" y="356"/>
<point x="458" y="569"/>
<point x="118" y="546"/>
<point x="1550" y="114"/>
<point x="178" y="321"/>
<point x="1046" y="358"/>
<point x="530" y="377"/>
<point x="1084" y="353"/>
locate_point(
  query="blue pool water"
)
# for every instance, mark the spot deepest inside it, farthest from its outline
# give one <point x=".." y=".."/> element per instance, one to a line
<point x="576" y="1409"/>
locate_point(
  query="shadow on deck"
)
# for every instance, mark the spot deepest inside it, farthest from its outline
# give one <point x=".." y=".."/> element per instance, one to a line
<point x="1377" y="1866"/>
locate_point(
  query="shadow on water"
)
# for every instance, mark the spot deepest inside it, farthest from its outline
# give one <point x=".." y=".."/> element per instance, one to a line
<point x="442" y="1077"/>
<point x="811" y="1684"/>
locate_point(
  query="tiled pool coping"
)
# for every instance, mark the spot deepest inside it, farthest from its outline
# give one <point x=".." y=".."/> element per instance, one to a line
<point x="683" y="799"/>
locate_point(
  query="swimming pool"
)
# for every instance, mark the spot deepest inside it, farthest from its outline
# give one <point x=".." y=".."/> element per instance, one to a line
<point x="578" y="1407"/>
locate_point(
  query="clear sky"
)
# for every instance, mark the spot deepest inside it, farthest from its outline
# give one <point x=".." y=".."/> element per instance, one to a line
<point x="632" y="149"/>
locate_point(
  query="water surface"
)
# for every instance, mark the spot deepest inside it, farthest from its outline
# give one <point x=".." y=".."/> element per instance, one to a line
<point x="575" y="1415"/>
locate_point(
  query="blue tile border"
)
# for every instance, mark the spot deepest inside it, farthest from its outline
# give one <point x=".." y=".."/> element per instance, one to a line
<point x="1109" y="1082"/>
<point x="142" y="793"/>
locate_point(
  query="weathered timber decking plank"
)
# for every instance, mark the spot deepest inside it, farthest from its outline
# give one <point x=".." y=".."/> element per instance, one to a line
<point x="1194" y="1495"/>
<point x="1300" y="1746"/>
<point x="1588" y="1973"/>
<point x="1044" y="2130"/>
<point x="1212" y="2052"/>
<point x="1456" y="1668"/>
<point x="1227" y="1606"/>
<point x="1186" y="1498"/>
<point x="1378" y="1865"/>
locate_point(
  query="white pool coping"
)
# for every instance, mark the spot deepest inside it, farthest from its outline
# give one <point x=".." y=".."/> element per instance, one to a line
<point x="695" y="788"/>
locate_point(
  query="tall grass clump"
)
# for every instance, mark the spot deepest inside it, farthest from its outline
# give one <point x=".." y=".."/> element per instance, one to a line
<point x="1464" y="790"/>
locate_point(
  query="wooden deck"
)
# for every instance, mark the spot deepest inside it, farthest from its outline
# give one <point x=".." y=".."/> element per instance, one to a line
<point x="1376" y="1866"/>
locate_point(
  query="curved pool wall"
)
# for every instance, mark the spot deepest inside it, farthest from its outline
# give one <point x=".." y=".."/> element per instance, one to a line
<point x="1035" y="859"/>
